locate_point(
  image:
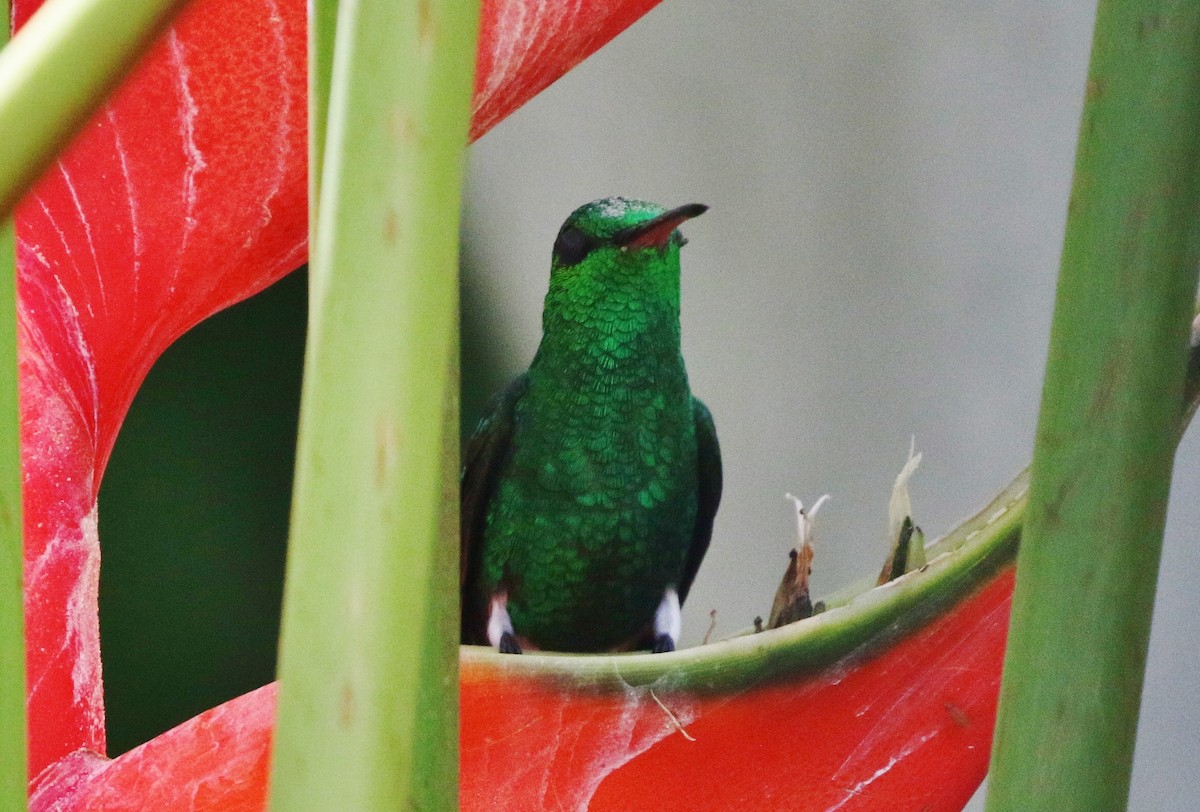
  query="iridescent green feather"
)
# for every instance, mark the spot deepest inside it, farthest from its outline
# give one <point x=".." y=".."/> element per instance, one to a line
<point x="592" y="496"/>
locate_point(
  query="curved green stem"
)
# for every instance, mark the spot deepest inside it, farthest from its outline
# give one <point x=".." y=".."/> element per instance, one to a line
<point x="12" y="617"/>
<point x="959" y="563"/>
<point x="368" y="657"/>
<point x="1109" y="421"/>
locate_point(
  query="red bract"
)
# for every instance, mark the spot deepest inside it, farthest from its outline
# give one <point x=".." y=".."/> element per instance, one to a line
<point x="185" y="194"/>
<point x="901" y="724"/>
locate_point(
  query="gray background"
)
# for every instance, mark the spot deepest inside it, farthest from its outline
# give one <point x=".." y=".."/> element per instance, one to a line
<point x="888" y="186"/>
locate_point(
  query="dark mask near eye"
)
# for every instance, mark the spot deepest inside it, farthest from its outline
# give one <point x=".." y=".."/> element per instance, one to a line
<point x="572" y="246"/>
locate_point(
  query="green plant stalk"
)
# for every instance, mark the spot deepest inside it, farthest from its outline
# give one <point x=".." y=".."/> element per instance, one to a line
<point x="13" y="760"/>
<point x="57" y="70"/>
<point x="1102" y="462"/>
<point x="12" y="618"/>
<point x="368" y="656"/>
<point x="322" y="26"/>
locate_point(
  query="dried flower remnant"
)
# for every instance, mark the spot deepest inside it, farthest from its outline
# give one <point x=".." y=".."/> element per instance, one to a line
<point x="906" y="538"/>
<point x="793" y="600"/>
<point x="712" y="626"/>
<point x="908" y="553"/>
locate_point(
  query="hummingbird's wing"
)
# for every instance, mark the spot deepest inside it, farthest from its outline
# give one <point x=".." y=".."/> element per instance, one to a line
<point x="486" y="455"/>
<point x="708" y="462"/>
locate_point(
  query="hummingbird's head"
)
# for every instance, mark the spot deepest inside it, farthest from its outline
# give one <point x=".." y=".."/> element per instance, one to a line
<point x="614" y="281"/>
<point x="621" y="232"/>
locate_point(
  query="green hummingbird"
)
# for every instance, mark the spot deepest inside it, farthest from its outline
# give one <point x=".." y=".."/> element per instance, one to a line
<point x="590" y="488"/>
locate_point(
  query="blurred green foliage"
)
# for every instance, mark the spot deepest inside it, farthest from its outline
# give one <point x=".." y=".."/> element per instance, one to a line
<point x="193" y="518"/>
<point x="194" y="507"/>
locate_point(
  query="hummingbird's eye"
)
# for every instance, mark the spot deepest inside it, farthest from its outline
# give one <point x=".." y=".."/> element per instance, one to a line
<point x="572" y="246"/>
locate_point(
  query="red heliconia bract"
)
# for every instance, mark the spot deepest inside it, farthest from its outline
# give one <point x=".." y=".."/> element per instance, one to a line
<point x="186" y="193"/>
<point x="905" y="727"/>
<point x="182" y="195"/>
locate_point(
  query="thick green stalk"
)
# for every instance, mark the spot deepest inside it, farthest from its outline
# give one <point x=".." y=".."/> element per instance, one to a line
<point x="12" y="619"/>
<point x="322" y="26"/>
<point x="1106" y="436"/>
<point x="12" y="614"/>
<point x="368" y="657"/>
<point x="57" y="70"/>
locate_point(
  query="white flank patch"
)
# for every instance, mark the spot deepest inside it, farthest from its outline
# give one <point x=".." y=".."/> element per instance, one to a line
<point x="668" y="619"/>
<point x="499" y="623"/>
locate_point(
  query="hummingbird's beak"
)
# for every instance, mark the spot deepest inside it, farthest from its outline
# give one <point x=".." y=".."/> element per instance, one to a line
<point x="656" y="232"/>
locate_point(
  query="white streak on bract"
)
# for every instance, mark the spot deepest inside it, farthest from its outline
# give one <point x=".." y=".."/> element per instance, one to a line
<point x="134" y="225"/>
<point x="75" y="331"/>
<point x="524" y="33"/>
<point x="295" y="256"/>
<point x="62" y="238"/>
<point x="83" y="623"/>
<point x="510" y="31"/>
<point x="81" y="637"/>
<point x="49" y="553"/>
<point x="282" y="129"/>
<point x="596" y="746"/>
<point x="35" y="250"/>
<point x="625" y="745"/>
<point x="853" y="792"/>
<point x="942" y="666"/>
<point x="561" y="21"/>
<point x="533" y="38"/>
<point x="46" y="366"/>
<point x="188" y="112"/>
<point x="59" y="783"/>
<point x="87" y="232"/>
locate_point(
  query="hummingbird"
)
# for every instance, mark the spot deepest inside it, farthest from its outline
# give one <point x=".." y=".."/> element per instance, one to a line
<point x="590" y="487"/>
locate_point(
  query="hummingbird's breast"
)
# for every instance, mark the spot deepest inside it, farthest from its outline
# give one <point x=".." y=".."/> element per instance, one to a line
<point x="595" y="514"/>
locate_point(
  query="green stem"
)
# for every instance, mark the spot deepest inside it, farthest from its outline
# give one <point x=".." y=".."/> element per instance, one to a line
<point x="322" y="27"/>
<point x="368" y="657"/>
<point x="13" y="762"/>
<point x="12" y="619"/>
<point x="57" y="70"/>
<point x="1110" y="409"/>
